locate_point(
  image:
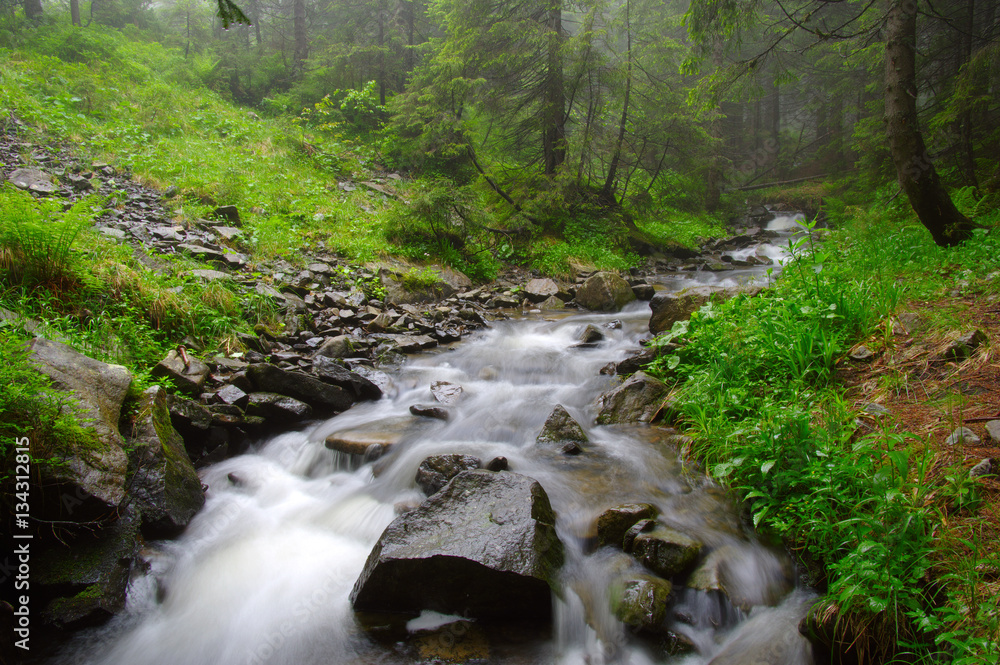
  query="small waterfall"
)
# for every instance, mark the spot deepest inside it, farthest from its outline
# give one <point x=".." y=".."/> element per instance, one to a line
<point x="264" y="571"/>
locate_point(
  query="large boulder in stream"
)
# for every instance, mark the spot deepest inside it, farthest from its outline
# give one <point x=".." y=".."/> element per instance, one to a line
<point x="670" y="307"/>
<point x="484" y="546"/>
<point x="604" y="292"/>
<point x="637" y="400"/>
<point x="165" y="484"/>
<point x="562" y="433"/>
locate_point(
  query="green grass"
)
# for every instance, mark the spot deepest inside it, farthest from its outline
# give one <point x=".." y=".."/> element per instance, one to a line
<point x="756" y="387"/>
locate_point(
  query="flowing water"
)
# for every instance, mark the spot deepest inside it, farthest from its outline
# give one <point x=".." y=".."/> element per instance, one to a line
<point x="264" y="571"/>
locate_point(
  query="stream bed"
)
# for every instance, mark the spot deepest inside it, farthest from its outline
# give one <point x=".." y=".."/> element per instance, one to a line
<point x="264" y="572"/>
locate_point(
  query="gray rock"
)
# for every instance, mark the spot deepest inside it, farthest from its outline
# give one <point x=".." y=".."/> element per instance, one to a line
<point x="164" y="484"/>
<point x="211" y="275"/>
<point x="446" y="392"/>
<point x="96" y="473"/>
<point x="33" y="180"/>
<point x="670" y="307"/>
<point x="326" y="399"/>
<point x="862" y="353"/>
<point x="336" y="374"/>
<point x="89" y="576"/>
<point x="962" y="435"/>
<point x="230" y="213"/>
<point x="964" y="346"/>
<point x="538" y="290"/>
<point x="187" y="372"/>
<point x="590" y="334"/>
<point x="993" y="430"/>
<point x="413" y="343"/>
<point x="430" y="411"/>
<point x="341" y="346"/>
<point x="437" y="470"/>
<point x="485" y="546"/>
<point x="642" y="603"/>
<point x="613" y="523"/>
<point x="636" y="401"/>
<point x="665" y="551"/>
<point x="748" y="577"/>
<point x="278" y="409"/>
<point x="986" y="467"/>
<point x="379" y="436"/>
<point x="560" y="429"/>
<point x="552" y="303"/>
<point x="604" y="292"/>
<point x="643" y="291"/>
<point x="230" y="394"/>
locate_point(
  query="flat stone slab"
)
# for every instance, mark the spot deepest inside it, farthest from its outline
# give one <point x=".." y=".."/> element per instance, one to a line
<point x="385" y="433"/>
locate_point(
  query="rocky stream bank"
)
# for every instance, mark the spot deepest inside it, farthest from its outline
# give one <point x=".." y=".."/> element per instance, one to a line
<point x="345" y="327"/>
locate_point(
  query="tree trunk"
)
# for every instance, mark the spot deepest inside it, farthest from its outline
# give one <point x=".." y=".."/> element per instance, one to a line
<point x="74" y="12"/>
<point x="554" y="120"/>
<point x="33" y="9"/>
<point x="916" y="173"/>
<point x="301" y="40"/>
<point x="608" y="192"/>
<point x="713" y="184"/>
<point x="381" y="53"/>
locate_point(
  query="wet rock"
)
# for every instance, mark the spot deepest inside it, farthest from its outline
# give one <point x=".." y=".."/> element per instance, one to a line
<point x="637" y="361"/>
<point x="93" y="474"/>
<point x="384" y="433"/>
<point x="278" y="410"/>
<point x="642" y="602"/>
<point x="413" y="343"/>
<point x="964" y="346"/>
<point x="962" y="435"/>
<point x="437" y="470"/>
<point x="485" y="545"/>
<point x="590" y="334"/>
<point x="560" y="430"/>
<point x="638" y="400"/>
<point x="430" y="411"/>
<point x="749" y="576"/>
<point x="164" y="483"/>
<point x="185" y="371"/>
<point x="665" y="551"/>
<point x="446" y="392"/>
<point x="324" y="398"/>
<point x="338" y="375"/>
<point x="497" y="464"/>
<point x="538" y="290"/>
<point x="33" y="180"/>
<point x="457" y="642"/>
<point x="88" y="576"/>
<point x="613" y="523"/>
<point x="773" y="637"/>
<point x="552" y="303"/>
<point x="643" y="291"/>
<point x="230" y="394"/>
<point x="604" y="292"/>
<point x="341" y="346"/>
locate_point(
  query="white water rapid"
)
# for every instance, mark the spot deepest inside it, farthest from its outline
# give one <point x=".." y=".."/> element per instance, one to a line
<point x="263" y="573"/>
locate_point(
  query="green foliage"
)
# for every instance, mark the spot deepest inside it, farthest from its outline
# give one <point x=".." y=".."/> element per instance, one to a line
<point x="758" y="393"/>
<point x="37" y="236"/>
<point x="31" y="408"/>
